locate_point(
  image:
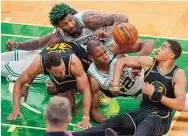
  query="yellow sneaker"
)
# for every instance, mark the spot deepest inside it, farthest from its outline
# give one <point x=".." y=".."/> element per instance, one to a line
<point x="104" y="100"/>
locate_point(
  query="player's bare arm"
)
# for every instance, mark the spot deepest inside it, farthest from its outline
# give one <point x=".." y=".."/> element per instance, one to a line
<point x="27" y="75"/>
<point x="83" y="83"/>
<point x="145" y="47"/>
<point x="178" y="102"/>
<point x="25" y="90"/>
<point x="135" y="62"/>
<point x="34" y="44"/>
<point x="95" y="88"/>
<point x="95" y="20"/>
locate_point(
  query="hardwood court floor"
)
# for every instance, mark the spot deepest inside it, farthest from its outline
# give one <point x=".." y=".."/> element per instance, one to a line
<point x="161" y="19"/>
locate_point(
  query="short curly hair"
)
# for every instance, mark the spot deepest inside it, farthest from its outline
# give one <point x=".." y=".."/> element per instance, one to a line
<point x="59" y="12"/>
<point x="52" y="59"/>
<point x="175" y="47"/>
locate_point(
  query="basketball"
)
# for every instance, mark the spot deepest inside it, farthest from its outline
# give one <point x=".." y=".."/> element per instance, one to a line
<point x="125" y="34"/>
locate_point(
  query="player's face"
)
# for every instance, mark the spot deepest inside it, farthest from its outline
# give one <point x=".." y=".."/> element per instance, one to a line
<point x="68" y="24"/>
<point x="163" y="52"/>
<point x="100" y="55"/>
<point x="58" y="71"/>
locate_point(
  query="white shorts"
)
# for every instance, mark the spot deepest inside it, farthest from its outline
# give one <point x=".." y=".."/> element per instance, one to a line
<point x="15" y="62"/>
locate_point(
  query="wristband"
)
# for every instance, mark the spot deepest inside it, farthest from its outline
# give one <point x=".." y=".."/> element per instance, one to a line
<point x="86" y="117"/>
<point x="27" y="85"/>
<point x="156" y="96"/>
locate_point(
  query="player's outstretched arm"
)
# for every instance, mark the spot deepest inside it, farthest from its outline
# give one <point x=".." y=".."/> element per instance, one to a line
<point x="95" y="88"/>
<point x="27" y="75"/>
<point x="145" y="47"/>
<point x="32" y="44"/>
<point x="95" y="20"/>
<point x="134" y="62"/>
<point x="47" y="40"/>
<point x="83" y="83"/>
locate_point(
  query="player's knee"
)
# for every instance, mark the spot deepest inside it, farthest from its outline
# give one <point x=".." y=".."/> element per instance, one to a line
<point x="144" y="129"/>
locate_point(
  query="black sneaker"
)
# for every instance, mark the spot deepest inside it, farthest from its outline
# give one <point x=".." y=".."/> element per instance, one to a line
<point x="110" y="132"/>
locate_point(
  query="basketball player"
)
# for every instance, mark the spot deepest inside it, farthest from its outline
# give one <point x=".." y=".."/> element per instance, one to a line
<point x="58" y="115"/>
<point x="79" y="28"/>
<point x="101" y="70"/>
<point x="65" y="70"/>
<point x="163" y="90"/>
<point x="17" y="61"/>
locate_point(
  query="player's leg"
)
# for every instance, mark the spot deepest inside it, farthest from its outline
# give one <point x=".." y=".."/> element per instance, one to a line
<point x="13" y="64"/>
<point x="122" y="124"/>
<point x="27" y="55"/>
<point x="110" y="132"/>
<point x="12" y="69"/>
<point x="71" y="96"/>
<point x="153" y="126"/>
<point x="107" y="132"/>
<point x="17" y="55"/>
<point x="8" y="56"/>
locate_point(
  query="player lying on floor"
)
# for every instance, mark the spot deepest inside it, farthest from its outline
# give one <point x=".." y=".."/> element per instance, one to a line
<point x="101" y="70"/>
<point x="163" y="90"/>
<point x="66" y="71"/>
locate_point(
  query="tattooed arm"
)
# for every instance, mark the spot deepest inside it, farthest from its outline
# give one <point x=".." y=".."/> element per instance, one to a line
<point x="95" y="20"/>
<point x="34" y="44"/>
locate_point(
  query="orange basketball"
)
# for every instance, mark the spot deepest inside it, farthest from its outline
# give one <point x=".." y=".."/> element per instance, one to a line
<point x="125" y="34"/>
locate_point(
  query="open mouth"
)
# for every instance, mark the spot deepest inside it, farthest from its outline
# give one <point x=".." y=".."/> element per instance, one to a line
<point x="73" y="29"/>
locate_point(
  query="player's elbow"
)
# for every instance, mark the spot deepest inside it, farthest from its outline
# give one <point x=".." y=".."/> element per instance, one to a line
<point x="179" y="107"/>
<point x="119" y="18"/>
<point x="152" y="43"/>
<point x="148" y="46"/>
<point x="120" y="63"/>
<point x="126" y="19"/>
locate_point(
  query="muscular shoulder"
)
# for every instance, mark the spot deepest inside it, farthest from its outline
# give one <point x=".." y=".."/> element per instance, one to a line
<point x="76" y="65"/>
<point x="180" y="76"/>
<point x="95" y="20"/>
<point x="74" y="60"/>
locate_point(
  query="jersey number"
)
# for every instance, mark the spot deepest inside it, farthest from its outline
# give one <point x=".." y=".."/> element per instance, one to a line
<point x="128" y="83"/>
<point x="60" y="47"/>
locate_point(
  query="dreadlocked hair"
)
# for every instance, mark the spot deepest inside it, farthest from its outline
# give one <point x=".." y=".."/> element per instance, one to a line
<point x="59" y="12"/>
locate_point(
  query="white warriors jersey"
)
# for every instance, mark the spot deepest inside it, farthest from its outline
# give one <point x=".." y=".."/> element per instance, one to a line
<point x="128" y="84"/>
<point x="86" y="33"/>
